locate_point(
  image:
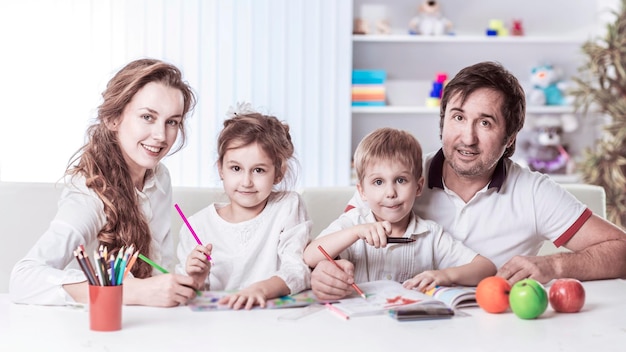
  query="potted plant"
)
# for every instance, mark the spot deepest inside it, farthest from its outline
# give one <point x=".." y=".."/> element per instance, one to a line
<point x="601" y="86"/>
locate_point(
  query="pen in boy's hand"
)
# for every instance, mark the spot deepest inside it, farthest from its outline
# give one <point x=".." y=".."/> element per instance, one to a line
<point x="400" y="240"/>
<point x="180" y="212"/>
<point x="356" y="288"/>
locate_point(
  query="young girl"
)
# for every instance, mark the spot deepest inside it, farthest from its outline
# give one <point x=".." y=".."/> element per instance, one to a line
<point x="256" y="240"/>
<point x="388" y="164"/>
<point x="117" y="193"/>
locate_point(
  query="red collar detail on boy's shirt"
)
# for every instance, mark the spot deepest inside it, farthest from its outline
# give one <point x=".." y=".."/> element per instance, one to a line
<point x="348" y="208"/>
<point x="435" y="172"/>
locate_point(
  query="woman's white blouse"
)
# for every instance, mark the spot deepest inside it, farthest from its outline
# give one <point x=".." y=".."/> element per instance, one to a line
<point x="50" y="263"/>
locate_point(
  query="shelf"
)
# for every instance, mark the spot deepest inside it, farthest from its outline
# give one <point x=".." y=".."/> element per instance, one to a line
<point x="390" y="109"/>
<point x="406" y="38"/>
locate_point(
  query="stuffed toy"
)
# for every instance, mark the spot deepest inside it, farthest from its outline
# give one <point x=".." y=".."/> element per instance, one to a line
<point x="546" y="89"/>
<point x="362" y="26"/>
<point x="544" y="148"/>
<point x="429" y="20"/>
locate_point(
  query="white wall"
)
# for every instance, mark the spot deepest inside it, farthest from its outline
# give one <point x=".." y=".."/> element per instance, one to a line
<point x="289" y="58"/>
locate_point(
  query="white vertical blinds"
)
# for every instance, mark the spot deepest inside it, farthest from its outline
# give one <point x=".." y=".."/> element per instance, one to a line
<point x="289" y="58"/>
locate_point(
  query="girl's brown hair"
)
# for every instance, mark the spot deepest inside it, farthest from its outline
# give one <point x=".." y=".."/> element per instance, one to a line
<point x="271" y="134"/>
<point x="102" y="164"/>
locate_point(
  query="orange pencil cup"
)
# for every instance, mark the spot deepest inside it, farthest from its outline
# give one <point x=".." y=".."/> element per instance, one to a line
<point x="105" y="308"/>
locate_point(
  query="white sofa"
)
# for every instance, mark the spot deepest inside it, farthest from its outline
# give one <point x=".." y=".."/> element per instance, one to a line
<point x="27" y="208"/>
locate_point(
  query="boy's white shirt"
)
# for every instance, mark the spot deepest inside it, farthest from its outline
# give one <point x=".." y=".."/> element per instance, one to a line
<point x="433" y="249"/>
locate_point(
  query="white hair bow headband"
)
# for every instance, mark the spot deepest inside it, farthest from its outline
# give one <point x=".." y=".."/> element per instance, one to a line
<point x="240" y="109"/>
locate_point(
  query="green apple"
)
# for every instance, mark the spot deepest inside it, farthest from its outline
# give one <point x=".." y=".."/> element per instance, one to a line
<point x="528" y="299"/>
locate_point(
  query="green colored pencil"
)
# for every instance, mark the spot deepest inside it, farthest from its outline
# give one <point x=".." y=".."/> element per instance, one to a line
<point x="160" y="268"/>
<point x="153" y="264"/>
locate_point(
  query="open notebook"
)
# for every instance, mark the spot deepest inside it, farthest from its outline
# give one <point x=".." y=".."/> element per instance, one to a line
<point x="385" y="296"/>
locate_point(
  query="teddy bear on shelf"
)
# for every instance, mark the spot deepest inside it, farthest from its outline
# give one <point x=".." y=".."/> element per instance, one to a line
<point x="547" y="88"/>
<point x="429" y="20"/>
<point x="362" y="26"/>
<point x="544" y="148"/>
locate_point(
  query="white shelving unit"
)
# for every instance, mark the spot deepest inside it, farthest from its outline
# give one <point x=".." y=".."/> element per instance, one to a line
<point x="552" y="35"/>
<point x="407" y="109"/>
<point x="406" y="38"/>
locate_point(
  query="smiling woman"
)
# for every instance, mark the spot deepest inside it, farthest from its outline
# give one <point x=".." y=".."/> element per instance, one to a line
<point x="117" y="194"/>
<point x="148" y="127"/>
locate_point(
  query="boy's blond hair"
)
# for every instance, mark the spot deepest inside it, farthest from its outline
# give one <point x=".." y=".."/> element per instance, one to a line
<point x="388" y="144"/>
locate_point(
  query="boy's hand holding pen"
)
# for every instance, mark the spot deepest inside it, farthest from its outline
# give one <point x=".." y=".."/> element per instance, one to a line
<point x="330" y="259"/>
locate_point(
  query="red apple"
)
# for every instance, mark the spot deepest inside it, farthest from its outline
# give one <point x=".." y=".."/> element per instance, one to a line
<point x="567" y="295"/>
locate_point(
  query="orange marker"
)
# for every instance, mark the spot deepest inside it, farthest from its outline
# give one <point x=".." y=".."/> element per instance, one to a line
<point x="356" y="288"/>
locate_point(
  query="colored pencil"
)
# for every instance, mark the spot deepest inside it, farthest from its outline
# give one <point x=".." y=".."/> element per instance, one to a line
<point x="400" y="240"/>
<point x="153" y="264"/>
<point x="356" y="288"/>
<point x="112" y="267"/>
<point x="84" y="268"/>
<point x="160" y="268"/>
<point x="122" y="268"/>
<point x="180" y="212"/>
<point x="88" y="266"/>
<point x="132" y="261"/>
<point x="91" y="269"/>
<point x="117" y="264"/>
<point x="337" y="311"/>
<point x="98" y="267"/>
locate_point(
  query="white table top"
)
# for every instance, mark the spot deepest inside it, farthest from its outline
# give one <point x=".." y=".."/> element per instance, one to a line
<point x="600" y="326"/>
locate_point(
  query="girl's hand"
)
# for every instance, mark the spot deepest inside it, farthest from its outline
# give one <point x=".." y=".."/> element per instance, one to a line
<point x="198" y="266"/>
<point x="374" y="234"/>
<point x="246" y="298"/>
<point x="427" y="280"/>
<point x="167" y="290"/>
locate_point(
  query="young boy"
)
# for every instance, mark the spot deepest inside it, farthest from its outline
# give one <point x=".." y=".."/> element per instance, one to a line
<point x="388" y="165"/>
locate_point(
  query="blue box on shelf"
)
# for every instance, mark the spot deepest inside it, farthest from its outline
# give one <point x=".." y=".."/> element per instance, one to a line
<point x="369" y="76"/>
<point x="368" y="103"/>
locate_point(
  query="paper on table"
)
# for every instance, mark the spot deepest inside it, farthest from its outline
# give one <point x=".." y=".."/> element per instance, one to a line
<point x="207" y="301"/>
<point x="381" y="295"/>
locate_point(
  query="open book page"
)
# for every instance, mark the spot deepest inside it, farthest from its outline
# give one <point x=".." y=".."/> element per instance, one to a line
<point x="381" y="296"/>
<point x="455" y="296"/>
<point x="208" y="301"/>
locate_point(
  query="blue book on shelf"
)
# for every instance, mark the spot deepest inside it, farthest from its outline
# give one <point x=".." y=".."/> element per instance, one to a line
<point x="368" y="103"/>
<point x="369" y="76"/>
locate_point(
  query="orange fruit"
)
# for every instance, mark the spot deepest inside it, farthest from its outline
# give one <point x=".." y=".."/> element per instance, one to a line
<point x="492" y="294"/>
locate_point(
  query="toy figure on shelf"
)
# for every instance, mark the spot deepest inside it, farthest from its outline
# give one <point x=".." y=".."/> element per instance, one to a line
<point x="545" y="150"/>
<point x="496" y="29"/>
<point x="361" y="26"/>
<point x="517" y="29"/>
<point x="429" y="20"/>
<point x="372" y="15"/>
<point x="547" y="89"/>
<point x="434" y="98"/>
